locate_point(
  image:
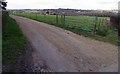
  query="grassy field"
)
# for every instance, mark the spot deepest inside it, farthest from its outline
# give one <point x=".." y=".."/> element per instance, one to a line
<point x="82" y="25"/>
<point x="13" y="42"/>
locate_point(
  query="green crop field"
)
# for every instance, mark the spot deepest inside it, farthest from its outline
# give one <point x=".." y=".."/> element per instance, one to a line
<point x="82" y="25"/>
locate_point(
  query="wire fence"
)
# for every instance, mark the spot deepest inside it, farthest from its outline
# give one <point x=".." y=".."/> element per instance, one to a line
<point x="89" y="24"/>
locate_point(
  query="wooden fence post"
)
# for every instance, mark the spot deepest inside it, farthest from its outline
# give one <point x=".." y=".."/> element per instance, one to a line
<point x="61" y="19"/>
<point x="36" y="16"/>
<point x="56" y="19"/>
<point x="30" y="15"/>
<point x="44" y="17"/>
<point x="99" y="23"/>
<point x="119" y="25"/>
<point x="102" y="21"/>
<point x="95" y="25"/>
<point x="64" y="21"/>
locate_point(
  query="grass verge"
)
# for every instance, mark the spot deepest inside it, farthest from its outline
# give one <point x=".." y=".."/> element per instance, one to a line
<point x="13" y="42"/>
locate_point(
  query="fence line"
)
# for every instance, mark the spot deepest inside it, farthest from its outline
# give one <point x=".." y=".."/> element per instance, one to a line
<point x="94" y="25"/>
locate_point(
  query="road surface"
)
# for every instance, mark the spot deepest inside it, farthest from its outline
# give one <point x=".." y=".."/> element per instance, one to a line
<point x="63" y="51"/>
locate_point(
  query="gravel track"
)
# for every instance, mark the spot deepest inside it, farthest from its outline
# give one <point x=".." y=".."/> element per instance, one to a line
<point x="59" y="50"/>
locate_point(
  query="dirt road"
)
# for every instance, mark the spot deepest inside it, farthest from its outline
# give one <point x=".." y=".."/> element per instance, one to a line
<point x="63" y="51"/>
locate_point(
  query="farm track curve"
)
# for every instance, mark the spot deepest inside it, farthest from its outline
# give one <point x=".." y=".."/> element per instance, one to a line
<point x="64" y="51"/>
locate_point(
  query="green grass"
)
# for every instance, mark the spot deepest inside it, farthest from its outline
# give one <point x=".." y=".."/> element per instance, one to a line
<point x="79" y="24"/>
<point x="13" y="42"/>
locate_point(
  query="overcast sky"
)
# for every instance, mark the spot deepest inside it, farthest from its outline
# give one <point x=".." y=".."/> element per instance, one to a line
<point x="74" y="4"/>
